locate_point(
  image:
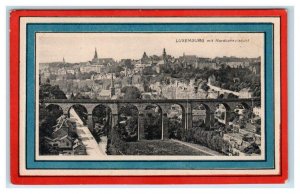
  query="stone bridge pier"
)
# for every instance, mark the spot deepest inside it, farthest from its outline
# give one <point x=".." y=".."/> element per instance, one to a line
<point x="141" y="123"/>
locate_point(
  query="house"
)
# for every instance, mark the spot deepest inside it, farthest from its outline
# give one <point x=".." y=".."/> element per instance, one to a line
<point x="157" y="69"/>
<point x="249" y="128"/>
<point x="241" y="110"/>
<point x="255" y="67"/>
<point x="221" y="114"/>
<point x="236" y="64"/>
<point x="46" y="73"/>
<point x="105" y="94"/>
<point x="92" y="68"/>
<point x="63" y="145"/>
<point x="246" y="93"/>
<point x="50" y="142"/>
<point x="79" y="149"/>
<point x="63" y="127"/>
<point x="64" y="142"/>
<point x="70" y="71"/>
<point x="100" y="76"/>
<point x="188" y="59"/>
<point x="60" y="131"/>
<point x="161" y="62"/>
<point x="205" y="63"/>
<point x="61" y="71"/>
<point x="138" y="67"/>
<point x="257" y="111"/>
<point x="136" y="79"/>
<point x="236" y="140"/>
<point x="211" y="79"/>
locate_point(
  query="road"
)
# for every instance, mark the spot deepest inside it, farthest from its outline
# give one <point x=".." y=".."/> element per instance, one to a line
<point x="222" y="91"/>
<point x="84" y="134"/>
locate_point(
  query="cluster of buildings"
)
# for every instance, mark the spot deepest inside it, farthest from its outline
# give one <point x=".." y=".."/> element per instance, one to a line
<point x="63" y="140"/>
<point x="244" y="131"/>
<point x="104" y="78"/>
<point x="175" y="89"/>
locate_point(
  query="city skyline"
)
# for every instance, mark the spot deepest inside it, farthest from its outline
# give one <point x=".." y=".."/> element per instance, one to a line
<point x="55" y="47"/>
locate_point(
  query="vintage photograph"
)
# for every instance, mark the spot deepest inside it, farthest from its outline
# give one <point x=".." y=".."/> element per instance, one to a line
<point x="150" y="94"/>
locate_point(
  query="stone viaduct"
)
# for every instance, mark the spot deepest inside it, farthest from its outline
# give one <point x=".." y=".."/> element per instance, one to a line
<point x="164" y="105"/>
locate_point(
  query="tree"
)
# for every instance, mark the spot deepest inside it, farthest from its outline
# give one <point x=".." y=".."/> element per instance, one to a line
<point x="101" y="111"/>
<point x="232" y="96"/>
<point x="175" y="129"/>
<point x="81" y="111"/>
<point x="221" y="96"/>
<point x="115" y="69"/>
<point x="70" y="76"/>
<point x="47" y="120"/>
<point x="129" y="125"/>
<point x="129" y="110"/>
<point x="206" y="138"/>
<point x="205" y="87"/>
<point x="84" y="76"/>
<point x="128" y="64"/>
<point x="131" y="93"/>
<point x="148" y="71"/>
<point x="129" y="132"/>
<point x="80" y="96"/>
<point x="152" y="123"/>
<point x="48" y="91"/>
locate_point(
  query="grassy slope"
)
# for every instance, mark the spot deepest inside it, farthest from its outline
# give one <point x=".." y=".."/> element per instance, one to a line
<point x="158" y="147"/>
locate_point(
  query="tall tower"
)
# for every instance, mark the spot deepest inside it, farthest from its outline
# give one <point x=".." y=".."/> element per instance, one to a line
<point x="112" y="86"/>
<point x="96" y="54"/>
<point x="164" y="55"/>
<point x="95" y="59"/>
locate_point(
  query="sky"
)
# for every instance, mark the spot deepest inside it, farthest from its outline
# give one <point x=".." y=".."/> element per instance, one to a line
<point x="80" y="47"/>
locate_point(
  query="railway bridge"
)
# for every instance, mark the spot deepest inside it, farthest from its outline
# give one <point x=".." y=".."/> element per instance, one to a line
<point x="187" y="106"/>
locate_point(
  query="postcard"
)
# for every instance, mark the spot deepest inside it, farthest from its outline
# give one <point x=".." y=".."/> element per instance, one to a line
<point x="169" y="96"/>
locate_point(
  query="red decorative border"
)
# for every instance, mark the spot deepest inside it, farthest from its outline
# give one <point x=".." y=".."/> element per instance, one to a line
<point x="16" y="178"/>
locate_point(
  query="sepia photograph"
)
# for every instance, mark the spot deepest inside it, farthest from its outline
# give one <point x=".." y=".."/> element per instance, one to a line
<point x="150" y="94"/>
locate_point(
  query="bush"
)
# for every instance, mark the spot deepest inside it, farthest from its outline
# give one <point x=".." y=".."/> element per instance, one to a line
<point x="128" y="130"/>
<point x="152" y="123"/>
<point x="209" y="139"/>
<point x="115" y="145"/>
<point x="176" y="130"/>
<point x="253" y="148"/>
<point x="189" y="135"/>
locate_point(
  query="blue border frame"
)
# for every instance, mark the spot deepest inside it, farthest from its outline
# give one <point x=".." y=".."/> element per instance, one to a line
<point x="266" y="28"/>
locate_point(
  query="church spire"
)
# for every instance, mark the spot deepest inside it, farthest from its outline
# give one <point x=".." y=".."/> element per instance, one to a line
<point x="112" y="86"/>
<point x="164" y="55"/>
<point x="96" y="54"/>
